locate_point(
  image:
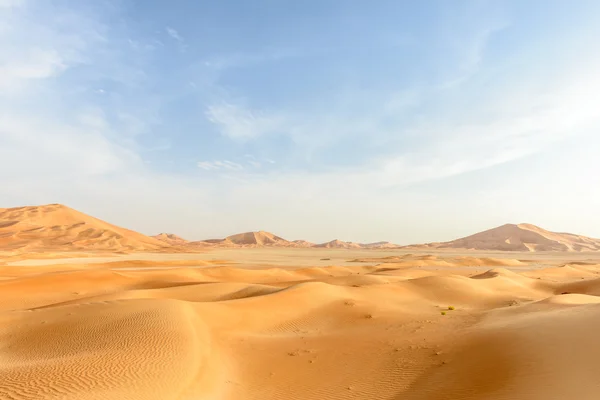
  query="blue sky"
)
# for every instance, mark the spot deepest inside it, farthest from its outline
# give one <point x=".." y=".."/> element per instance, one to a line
<point x="388" y="120"/>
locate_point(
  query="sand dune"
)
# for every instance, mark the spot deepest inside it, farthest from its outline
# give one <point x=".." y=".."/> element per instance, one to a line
<point x="283" y="319"/>
<point x="171" y="238"/>
<point x="54" y="226"/>
<point x="247" y="239"/>
<point x="339" y="244"/>
<point x="267" y="239"/>
<point x="303" y="243"/>
<point x="522" y="237"/>
<point x="166" y="330"/>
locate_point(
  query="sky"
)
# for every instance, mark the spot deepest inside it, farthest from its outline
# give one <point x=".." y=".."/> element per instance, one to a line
<point x="363" y="121"/>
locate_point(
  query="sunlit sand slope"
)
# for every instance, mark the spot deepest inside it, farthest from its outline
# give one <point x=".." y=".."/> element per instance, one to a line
<point x="340" y="332"/>
<point x="521" y="237"/>
<point x="57" y="227"/>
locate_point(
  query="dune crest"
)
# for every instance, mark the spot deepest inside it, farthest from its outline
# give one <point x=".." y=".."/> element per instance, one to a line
<point x="58" y="227"/>
<point x="521" y="237"/>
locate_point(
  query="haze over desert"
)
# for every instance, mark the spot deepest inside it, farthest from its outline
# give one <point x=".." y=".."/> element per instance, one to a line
<point x="299" y="200"/>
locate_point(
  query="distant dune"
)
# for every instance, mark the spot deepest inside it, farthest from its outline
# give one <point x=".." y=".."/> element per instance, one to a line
<point x="267" y="239"/>
<point x="521" y="237"/>
<point x="247" y="239"/>
<point x="57" y="227"/>
<point x="339" y="244"/>
<point x="171" y="239"/>
<point x="260" y="238"/>
<point x="303" y="243"/>
<point x="380" y="245"/>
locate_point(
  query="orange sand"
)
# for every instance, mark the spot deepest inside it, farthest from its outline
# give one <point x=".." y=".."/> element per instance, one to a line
<point x="183" y="329"/>
<point x="92" y="311"/>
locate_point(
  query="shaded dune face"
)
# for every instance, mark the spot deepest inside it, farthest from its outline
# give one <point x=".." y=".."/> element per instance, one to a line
<point x="380" y="332"/>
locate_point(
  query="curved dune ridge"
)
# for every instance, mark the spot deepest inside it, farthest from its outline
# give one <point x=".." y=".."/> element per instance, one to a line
<point x="387" y="331"/>
<point x="54" y="226"/>
<point x="521" y="237"/>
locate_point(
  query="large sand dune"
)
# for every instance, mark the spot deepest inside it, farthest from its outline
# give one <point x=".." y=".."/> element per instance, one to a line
<point x="521" y="237"/>
<point x="57" y="227"/>
<point x="376" y="329"/>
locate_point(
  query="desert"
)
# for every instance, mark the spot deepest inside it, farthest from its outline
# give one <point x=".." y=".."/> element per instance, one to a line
<point x="90" y="310"/>
<point x="299" y="200"/>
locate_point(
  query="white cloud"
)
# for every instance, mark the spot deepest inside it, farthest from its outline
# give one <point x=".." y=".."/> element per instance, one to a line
<point x="520" y="129"/>
<point x="220" y="165"/>
<point x="35" y="64"/>
<point x="11" y="3"/>
<point x="237" y="122"/>
<point x="174" y="34"/>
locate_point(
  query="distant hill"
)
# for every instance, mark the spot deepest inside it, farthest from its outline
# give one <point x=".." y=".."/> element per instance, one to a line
<point x="170" y="238"/>
<point x="380" y="245"/>
<point x="339" y="244"/>
<point x="56" y="227"/>
<point x="259" y="238"/>
<point x="521" y="237"/>
<point x="303" y="243"/>
<point x="267" y="239"/>
<point x="247" y="239"/>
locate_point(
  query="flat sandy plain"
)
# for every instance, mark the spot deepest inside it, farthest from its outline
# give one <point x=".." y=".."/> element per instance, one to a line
<point x="310" y="324"/>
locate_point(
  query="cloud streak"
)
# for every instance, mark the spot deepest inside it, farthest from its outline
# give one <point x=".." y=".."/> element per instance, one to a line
<point x="239" y="123"/>
<point x="174" y="34"/>
<point x="220" y="165"/>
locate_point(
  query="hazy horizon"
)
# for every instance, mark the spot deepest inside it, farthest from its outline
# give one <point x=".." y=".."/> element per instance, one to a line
<point x="397" y="121"/>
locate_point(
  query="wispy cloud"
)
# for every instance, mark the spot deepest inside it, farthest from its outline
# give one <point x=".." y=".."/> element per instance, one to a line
<point x="10" y="3"/>
<point x="220" y="165"/>
<point x="34" y="64"/>
<point x="258" y="162"/>
<point x="174" y="34"/>
<point x="250" y="159"/>
<point x="241" y="59"/>
<point x="237" y="122"/>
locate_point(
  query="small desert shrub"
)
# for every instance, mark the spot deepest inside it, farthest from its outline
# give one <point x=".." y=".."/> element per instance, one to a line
<point x="451" y="308"/>
<point x="443" y="312"/>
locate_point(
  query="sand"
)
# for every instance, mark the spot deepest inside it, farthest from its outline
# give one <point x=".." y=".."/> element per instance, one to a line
<point x="521" y="237"/>
<point x="90" y="310"/>
<point x="54" y="226"/>
<point x="223" y="326"/>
